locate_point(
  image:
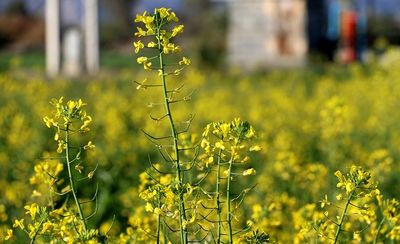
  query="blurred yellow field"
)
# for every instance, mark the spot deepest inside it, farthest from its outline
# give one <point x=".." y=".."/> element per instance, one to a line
<point x="309" y="125"/>
<point x="312" y="159"/>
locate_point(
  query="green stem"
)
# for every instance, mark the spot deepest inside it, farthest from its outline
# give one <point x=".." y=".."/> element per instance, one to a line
<point x="179" y="175"/>
<point x="71" y="180"/>
<point x="228" y="201"/>
<point x="51" y="198"/>
<point x="379" y="229"/>
<point x="339" y="229"/>
<point x="165" y="232"/>
<point x="37" y="231"/>
<point x="158" y="229"/>
<point x="228" y="191"/>
<point x="158" y="218"/>
<point x="218" y="201"/>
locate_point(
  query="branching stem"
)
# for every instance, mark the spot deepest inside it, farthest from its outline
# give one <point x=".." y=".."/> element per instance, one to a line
<point x="158" y="217"/>
<point x="71" y="180"/>
<point x="379" y="229"/>
<point x="218" y="200"/>
<point x="339" y="227"/>
<point x="228" y="201"/>
<point x="179" y="174"/>
<point x="37" y="231"/>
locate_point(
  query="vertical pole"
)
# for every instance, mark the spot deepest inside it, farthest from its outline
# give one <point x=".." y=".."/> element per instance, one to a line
<point x="52" y="37"/>
<point x="91" y="36"/>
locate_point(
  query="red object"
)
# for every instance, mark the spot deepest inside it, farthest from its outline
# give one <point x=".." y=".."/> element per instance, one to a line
<point x="348" y="36"/>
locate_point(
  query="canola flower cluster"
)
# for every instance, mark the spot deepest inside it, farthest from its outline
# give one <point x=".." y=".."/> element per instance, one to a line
<point x="65" y="118"/>
<point x="161" y="35"/>
<point x="179" y="204"/>
<point x="65" y="223"/>
<point x="311" y="131"/>
<point x="226" y="149"/>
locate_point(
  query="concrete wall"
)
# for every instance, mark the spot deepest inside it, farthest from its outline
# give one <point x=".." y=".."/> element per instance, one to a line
<point x="267" y="33"/>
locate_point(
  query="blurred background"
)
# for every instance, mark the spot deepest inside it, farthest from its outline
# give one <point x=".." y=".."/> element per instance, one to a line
<point x="318" y="79"/>
<point x="85" y="35"/>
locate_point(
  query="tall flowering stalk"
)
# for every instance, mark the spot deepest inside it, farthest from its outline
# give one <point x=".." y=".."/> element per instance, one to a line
<point x="354" y="205"/>
<point x="229" y="143"/>
<point x="66" y="223"/>
<point x="157" y="36"/>
<point x="230" y="146"/>
<point x="69" y="119"/>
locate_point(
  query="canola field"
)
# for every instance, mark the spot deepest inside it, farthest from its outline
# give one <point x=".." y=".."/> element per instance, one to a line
<point x="314" y="157"/>
<point x="309" y="126"/>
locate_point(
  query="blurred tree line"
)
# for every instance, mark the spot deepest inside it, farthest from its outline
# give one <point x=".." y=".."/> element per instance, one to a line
<point x="20" y="29"/>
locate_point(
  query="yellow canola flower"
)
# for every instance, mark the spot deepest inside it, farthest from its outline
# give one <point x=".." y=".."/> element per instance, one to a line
<point x="165" y="180"/>
<point x="206" y="131"/>
<point x="250" y="171"/>
<point x="140" y="17"/>
<point x="149" y="207"/>
<point x="225" y="128"/>
<point x="325" y="202"/>
<point x="9" y="235"/>
<point x="150" y="32"/>
<point x="257" y="210"/>
<point x="59" y="167"/>
<point x="49" y="122"/>
<point x="89" y="146"/>
<point x="141" y="60"/>
<point x="184" y="61"/>
<point x="172" y="17"/>
<point x="158" y="211"/>
<point x="81" y="103"/>
<point x="226" y="172"/>
<point x="19" y="223"/>
<point x="209" y="161"/>
<point x="140" y="32"/>
<point x="46" y="227"/>
<point x="148" y="20"/>
<point x="177" y="30"/>
<point x="61" y="146"/>
<point x="71" y="105"/>
<point x="57" y="102"/>
<point x="189" y="189"/>
<point x="147" y="65"/>
<point x="349" y="187"/>
<point x="255" y="148"/>
<point x="164" y="12"/>
<point x="245" y="159"/>
<point x="151" y="44"/>
<point x="138" y="45"/>
<point x="170" y="197"/>
<point x="33" y="209"/>
<point x="36" y="193"/>
<point x="220" y="145"/>
<point x="144" y="18"/>
<point x="250" y="133"/>
<point x="86" y="123"/>
<point x="185" y="223"/>
<point x="92" y="241"/>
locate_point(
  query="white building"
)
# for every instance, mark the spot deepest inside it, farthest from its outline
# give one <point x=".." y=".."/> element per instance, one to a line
<point x="266" y="33"/>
